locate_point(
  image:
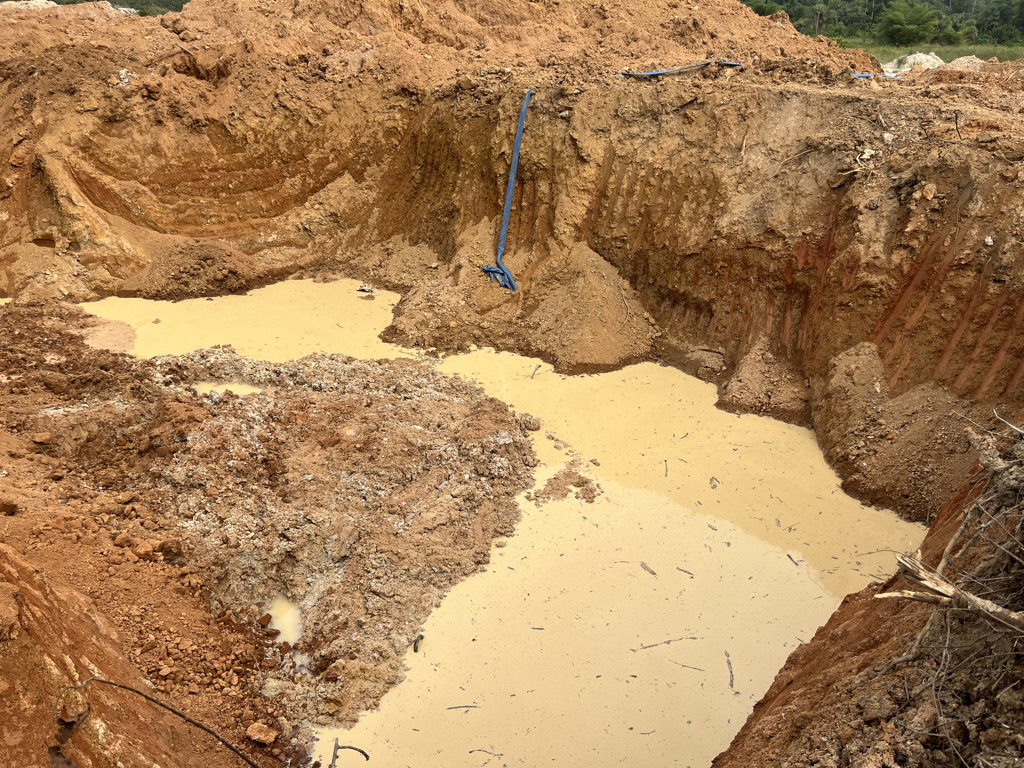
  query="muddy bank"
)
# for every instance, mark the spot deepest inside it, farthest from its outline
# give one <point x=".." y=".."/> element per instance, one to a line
<point x="899" y="682"/>
<point x="165" y="504"/>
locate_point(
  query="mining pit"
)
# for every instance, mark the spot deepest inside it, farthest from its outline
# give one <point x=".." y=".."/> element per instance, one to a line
<point x="277" y="454"/>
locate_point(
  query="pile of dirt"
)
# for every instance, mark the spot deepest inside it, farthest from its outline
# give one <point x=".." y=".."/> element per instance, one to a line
<point x="361" y="490"/>
<point x="911" y="60"/>
<point x="762" y="385"/>
<point x="565" y="481"/>
<point x="582" y="315"/>
<point x="909" y="451"/>
<point x="966" y="64"/>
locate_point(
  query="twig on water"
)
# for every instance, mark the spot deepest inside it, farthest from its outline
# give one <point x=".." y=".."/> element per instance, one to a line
<point x="663" y="642"/>
<point x="338" y="748"/>
<point x="686" y="666"/>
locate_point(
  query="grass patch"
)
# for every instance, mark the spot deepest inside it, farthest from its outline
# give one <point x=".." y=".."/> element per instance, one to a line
<point x="886" y="53"/>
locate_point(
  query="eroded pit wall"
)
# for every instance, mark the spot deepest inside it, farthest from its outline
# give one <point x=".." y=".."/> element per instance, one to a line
<point x="860" y="247"/>
<point x="776" y="216"/>
<point x="737" y="211"/>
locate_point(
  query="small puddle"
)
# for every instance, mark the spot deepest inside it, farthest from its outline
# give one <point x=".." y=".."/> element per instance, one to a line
<point x="638" y="629"/>
<point x="286" y="618"/>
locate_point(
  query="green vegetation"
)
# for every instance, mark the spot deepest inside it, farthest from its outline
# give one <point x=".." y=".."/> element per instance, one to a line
<point x="947" y="53"/>
<point x="144" y="7"/>
<point x="902" y="23"/>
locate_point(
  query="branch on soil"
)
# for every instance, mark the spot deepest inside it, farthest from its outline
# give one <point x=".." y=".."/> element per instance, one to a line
<point x="939" y="591"/>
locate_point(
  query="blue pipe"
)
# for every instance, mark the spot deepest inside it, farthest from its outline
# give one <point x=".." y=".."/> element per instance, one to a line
<point x="504" y="277"/>
<point x="680" y="69"/>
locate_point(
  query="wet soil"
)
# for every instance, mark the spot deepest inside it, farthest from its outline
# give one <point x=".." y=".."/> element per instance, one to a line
<point x="702" y="549"/>
<point x="167" y="505"/>
<point x="828" y="250"/>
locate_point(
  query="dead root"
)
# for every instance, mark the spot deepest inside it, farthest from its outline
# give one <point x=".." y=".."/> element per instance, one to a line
<point x="938" y="591"/>
<point x="969" y="651"/>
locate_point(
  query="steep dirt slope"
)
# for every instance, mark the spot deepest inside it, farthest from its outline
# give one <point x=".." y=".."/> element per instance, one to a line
<point x="231" y="145"/>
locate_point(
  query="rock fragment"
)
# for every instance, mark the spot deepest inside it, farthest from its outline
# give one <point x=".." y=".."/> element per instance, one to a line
<point x="261" y="733"/>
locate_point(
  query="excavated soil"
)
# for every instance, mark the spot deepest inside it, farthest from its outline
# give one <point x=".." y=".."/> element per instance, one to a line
<point x="365" y="489"/>
<point x="834" y="251"/>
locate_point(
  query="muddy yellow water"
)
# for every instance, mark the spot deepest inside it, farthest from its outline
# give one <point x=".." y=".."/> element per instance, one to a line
<point x="284" y="617"/>
<point x="637" y="630"/>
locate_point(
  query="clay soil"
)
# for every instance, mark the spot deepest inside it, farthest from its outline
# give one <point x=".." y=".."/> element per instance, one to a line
<point x="834" y="251"/>
<point x="362" y="491"/>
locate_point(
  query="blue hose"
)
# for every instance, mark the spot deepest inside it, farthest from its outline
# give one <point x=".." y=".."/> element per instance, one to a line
<point x="872" y="74"/>
<point x="505" y="279"/>
<point x="680" y="69"/>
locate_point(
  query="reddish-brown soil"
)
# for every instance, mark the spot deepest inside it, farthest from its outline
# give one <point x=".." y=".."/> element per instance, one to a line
<point x="832" y="251"/>
<point x="363" y="491"/>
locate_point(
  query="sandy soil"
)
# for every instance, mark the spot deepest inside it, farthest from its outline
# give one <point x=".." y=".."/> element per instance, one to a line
<point x="830" y="250"/>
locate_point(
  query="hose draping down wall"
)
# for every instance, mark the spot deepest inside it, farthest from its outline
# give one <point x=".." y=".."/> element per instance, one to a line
<point x="500" y="271"/>
<point x="680" y="69"/>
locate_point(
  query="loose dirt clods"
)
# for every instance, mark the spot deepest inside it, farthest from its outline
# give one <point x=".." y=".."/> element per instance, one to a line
<point x="308" y="487"/>
<point x="834" y="251"/>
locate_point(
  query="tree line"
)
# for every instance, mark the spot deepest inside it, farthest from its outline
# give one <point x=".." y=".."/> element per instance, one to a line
<point x="144" y="7"/>
<point x="905" y="22"/>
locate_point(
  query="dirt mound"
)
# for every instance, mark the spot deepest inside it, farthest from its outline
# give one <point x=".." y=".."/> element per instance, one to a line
<point x="966" y="64"/>
<point x="362" y="490"/>
<point x="581" y="315"/>
<point x="908" y="451"/>
<point x="761" y="385"/>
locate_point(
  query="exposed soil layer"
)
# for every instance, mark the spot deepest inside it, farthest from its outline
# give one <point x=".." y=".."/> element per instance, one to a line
<point x="829" y="249"/>
<point x="362" y="490"/>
